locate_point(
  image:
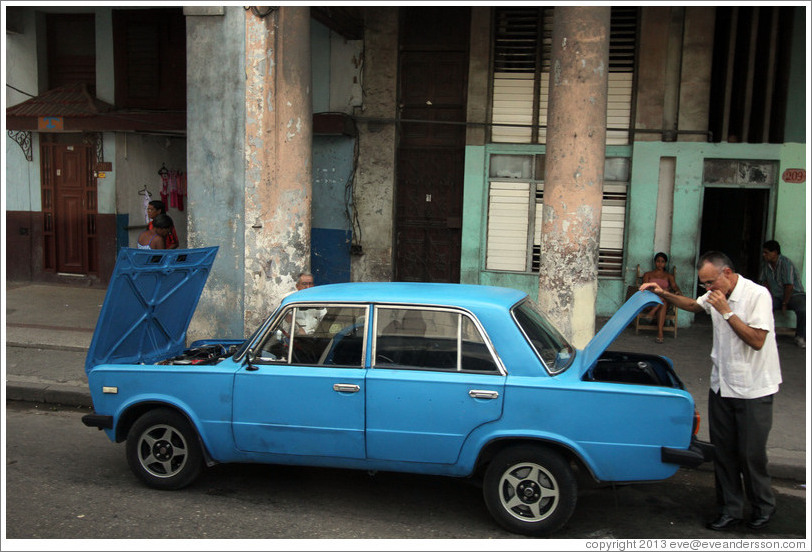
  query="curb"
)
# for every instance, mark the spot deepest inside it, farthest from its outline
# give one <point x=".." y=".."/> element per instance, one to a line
<point x="48" y="346"/>
<point x="48" y="393"/>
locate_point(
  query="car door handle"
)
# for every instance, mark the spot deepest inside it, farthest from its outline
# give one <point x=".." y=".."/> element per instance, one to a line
<point x="480" y="394"/>
<point x="346" y="387"/>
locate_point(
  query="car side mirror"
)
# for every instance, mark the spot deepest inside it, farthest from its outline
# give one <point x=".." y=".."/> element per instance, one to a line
<point x="250" y="357"/>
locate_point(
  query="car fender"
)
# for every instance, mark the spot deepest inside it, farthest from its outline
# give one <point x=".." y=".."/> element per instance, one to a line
<point x="150" y="401"/>
<point x="483" y="439"/>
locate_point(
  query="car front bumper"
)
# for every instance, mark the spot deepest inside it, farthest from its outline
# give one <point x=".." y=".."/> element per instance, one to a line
<point x="97" y="420"/>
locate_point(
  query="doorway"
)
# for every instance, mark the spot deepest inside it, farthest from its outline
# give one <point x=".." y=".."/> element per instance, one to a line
<point x="432" y="99"/>
<point x="734" y="222"/>
<point x="69" y="210"/>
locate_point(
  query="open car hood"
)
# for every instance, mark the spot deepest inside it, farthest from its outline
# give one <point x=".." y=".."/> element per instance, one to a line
<point x="149" y="303"/>
<point x="615" y="326"/>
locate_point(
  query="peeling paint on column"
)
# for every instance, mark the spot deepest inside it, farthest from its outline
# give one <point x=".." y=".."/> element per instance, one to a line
<point x="278" y="158"/>
<point x="573" y="184"/>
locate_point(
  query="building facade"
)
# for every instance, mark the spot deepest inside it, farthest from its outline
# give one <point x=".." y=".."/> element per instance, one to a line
<point x="409" y="143"/>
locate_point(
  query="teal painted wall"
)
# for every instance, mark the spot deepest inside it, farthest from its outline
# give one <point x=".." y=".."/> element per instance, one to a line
<point x="475" y="221"/>
<point x="787" y="218"/>
<point x="792" y="215"/>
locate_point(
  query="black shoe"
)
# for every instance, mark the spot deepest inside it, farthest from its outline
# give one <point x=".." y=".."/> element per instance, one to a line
<point x="759" y="522"/>
<point x="723" y="523"/>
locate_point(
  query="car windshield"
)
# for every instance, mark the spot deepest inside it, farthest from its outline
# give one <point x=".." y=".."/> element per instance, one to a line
<point x="245" y="344"/>
<point x="549" y="344"/>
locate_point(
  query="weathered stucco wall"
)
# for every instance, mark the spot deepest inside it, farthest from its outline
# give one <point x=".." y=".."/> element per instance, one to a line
<point x="374" y="182"/>
<point x="215" y="155"/>
<point x="278" y="157"/>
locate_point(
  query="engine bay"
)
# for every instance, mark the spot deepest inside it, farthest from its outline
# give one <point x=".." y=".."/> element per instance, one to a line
<point x="204" y="355"/>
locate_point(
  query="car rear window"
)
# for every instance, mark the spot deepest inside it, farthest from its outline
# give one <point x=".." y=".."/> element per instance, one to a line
<point x="554" y="351"/>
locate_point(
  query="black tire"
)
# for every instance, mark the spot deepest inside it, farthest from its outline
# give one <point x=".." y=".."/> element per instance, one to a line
<point x="163" y="450"/>
<point x="530" y="490"/>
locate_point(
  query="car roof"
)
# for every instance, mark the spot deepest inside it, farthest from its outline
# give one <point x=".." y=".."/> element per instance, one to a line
<point x="421" y="293"/>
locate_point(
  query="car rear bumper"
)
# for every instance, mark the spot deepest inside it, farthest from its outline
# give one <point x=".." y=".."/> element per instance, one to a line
<point x="97" y="420"/>
<point x="697" y="453"/>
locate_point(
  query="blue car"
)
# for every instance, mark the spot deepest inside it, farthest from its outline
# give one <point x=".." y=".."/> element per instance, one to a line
<point x="442" y="379"/>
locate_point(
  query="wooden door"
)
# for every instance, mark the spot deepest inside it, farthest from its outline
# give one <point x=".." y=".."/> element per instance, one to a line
<point x="69" y="208"/>
<point x="432" y="94"/>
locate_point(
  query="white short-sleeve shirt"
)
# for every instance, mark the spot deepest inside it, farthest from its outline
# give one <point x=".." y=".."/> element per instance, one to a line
<point x="739" y="371"/>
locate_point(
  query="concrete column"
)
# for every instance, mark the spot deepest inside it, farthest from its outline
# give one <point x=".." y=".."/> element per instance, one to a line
<point x="573" y="186"/>
<point x="651" y="72"/>
<point x="375" y="175"/>
<point x="278" y="156"/>
<point x="478" y="75"/>
<point x="215" y="152"/>
<point x="697" y="60"/>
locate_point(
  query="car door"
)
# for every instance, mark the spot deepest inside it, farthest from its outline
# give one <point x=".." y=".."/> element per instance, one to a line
<point x="434" y="380"/>
<point x="303" y="392"/>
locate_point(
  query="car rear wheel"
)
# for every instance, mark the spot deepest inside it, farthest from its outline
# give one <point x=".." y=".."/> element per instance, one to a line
<point x="163" y="450"/>
<point x="530" y="490"/>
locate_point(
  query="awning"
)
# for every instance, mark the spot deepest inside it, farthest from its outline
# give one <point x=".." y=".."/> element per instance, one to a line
<point x="71" y="108"/>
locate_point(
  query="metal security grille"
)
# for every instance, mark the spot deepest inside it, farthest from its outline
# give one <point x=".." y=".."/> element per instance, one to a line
<point x="522" y="55"/>
<point x="517" y="47"/>
<point x="622" y="40"/>
<point x="750" y="76"/>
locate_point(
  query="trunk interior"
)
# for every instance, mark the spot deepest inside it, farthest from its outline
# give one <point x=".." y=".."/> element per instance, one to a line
<point x="634" y="368"/>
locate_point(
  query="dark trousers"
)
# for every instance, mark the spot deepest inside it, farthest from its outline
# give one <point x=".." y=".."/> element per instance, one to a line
<point x="797" y="304"/>
<point x="738" y="430"/>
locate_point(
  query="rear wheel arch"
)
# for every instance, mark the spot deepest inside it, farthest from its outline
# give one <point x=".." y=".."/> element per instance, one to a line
<point x="492" y="448"/>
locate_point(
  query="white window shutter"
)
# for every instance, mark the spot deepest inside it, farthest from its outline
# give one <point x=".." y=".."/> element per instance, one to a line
<point x="508" y="216"/>
<point x="619" y="108"/>
<point x="512" y="105"/>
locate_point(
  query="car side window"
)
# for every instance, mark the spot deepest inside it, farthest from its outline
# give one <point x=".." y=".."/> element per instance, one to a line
<point x="430" y="339"/>
<point x="321" y="336"/>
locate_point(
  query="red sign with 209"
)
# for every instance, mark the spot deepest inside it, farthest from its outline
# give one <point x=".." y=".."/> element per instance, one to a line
<point x="794" y="176"/>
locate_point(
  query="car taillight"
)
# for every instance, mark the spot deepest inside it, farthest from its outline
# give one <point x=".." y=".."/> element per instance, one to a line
<point x="696" y="422"/>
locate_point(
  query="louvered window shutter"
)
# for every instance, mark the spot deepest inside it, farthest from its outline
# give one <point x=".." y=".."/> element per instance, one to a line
<point x="521" y="77"/>
<point x="508" y="223"/>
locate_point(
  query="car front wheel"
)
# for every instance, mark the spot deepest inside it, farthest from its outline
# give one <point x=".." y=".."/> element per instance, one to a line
<point x="163" y="451"/>
<point x="530" y="490"/>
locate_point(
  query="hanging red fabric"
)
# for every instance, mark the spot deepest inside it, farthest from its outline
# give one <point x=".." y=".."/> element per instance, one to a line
<point x="173" y="189"/>
<point x="164" y="186"/>
<point x="181" y="190"/>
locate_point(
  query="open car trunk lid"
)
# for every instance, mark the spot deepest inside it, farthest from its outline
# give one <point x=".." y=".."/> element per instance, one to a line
<point x="615" y="326"/>
<point x="149" y="303"/>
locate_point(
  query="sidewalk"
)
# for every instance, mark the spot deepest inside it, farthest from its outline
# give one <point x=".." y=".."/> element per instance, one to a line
<point x="49" y="329"/>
